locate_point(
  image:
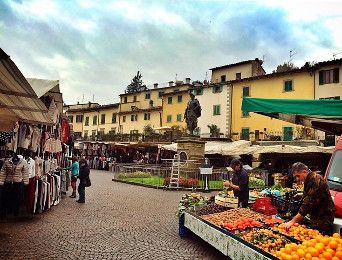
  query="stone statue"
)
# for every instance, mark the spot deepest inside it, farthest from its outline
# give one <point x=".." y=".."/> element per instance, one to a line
<point x="192" y="112"/>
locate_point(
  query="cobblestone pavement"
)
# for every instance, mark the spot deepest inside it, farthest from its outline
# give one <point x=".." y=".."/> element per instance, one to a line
<point x="118" y="221"/>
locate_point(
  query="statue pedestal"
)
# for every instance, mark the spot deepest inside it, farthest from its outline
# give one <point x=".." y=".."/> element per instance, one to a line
<point x="193" y="148"/>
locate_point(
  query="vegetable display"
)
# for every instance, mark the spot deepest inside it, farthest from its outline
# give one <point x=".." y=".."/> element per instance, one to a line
<point x="242" y="224"/>
<point x="266" y="240"/>
<point x="210" y="209"/>
<point x="231" y="215"/>
<point x="191" y="202"/>
<point x="255" y="183"/>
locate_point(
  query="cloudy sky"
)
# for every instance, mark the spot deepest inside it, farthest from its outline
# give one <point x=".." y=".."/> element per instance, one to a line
<point x="95" y="47"/>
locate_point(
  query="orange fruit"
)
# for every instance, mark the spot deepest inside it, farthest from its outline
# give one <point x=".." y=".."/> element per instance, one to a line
<point x="288" y="250"/>
<point x="325" y="241"/>
<point x="336" y="235"/>
<point x="319" y="247"/>
<point x="315" y="258"/>
<point x="333" y="244"/>
<point x="308" y="256"/>
<point x="327" y="255"/>
<point x="300" y="252"/>
<point x="335" y="258"/>
<point x="339" y="254"/>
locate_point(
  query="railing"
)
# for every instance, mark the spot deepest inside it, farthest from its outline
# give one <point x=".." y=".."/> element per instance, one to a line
<point x="189" y="177"/>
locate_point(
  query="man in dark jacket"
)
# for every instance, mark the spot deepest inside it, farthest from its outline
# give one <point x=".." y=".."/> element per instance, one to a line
<point x="84" y="180"/>
<point x="239" y="183"/>
<point x="316" y="202"/>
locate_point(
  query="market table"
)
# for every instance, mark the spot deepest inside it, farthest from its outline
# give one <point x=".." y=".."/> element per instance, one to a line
<point x="227" y="243"/>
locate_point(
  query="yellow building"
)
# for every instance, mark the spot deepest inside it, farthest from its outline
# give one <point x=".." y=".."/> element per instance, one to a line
<point x="295" y="84"/>
<point x="139" y="109"/>
<point x="94" y="119"/>
<point x="174" y="105"/>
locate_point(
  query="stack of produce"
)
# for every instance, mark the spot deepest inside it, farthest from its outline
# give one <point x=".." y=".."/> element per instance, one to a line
<point x="242" y="224"/>
<point x="191" y="202"/>
<point x="266" y="240"/>
<point x="231" y="215"/>
<point x="272" y="221"/>
<point x="210" y="209"/>
<point x="255" y="183"/>
<point x="297" y="231"/>
<point x="320" y="247"/>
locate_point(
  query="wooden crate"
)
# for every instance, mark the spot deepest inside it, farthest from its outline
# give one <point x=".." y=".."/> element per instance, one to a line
<point x="226" y="202"/>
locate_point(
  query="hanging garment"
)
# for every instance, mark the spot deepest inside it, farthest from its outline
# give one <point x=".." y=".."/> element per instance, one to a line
<point x="36" y="136"/>
<point x="35" y="196"/>
<point x="22" y="134"/>
<point x="5" y="138"/>
<point x="12" y="145"/>
<point x="31" y="195"/>
<point x="31" y="165"/>
<point x="12" y="173"/>
<point x="28" y="137"/>
<point x="39" y="166"/>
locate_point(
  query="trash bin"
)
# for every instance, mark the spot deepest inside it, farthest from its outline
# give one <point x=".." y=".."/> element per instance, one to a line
<point x="183" y="231"/>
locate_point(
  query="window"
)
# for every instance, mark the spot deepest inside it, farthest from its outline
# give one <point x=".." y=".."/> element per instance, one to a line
<point x="71" y="119"/>
<point x="93" y="132"/>
<point x="134" y="98"/>
<point x="180" y="99"/>
<point x="198" y="91"/>
<point x="77" y="134"/>
<point x="147" y="116"/>
<point x="288" y="85"/>
<point x="169" y="100"/>
<point x="217" y="89"/>
<point x="94" y="120"/>
<point x="124" y="119"/>
<point x="101" y="132"/>
<point x="169" y="118"/>
<point x="238" y="75"/>
<point x="288" y="134"/>
<point x="85" y="134"/>
<point x="245" y="133"/>
<point x="113" y="130"/>
<point x="160" y="94"/>
<point x="103" y="119"/>
<point x="113" y="118"/>
<point x="245" y="114"/>
<point x="134" y="118"/>
<point x="86" y="121"/>
<point x="217" y="110"/>
<point x="245" y="92"/>
<point x="79" y="118"/>
<point x="125" y="99"/>
<point x="329" y="76"/>
<point x="179" y="118"/>
<point x="147" y="95"/>
<point x="223" y="78"/>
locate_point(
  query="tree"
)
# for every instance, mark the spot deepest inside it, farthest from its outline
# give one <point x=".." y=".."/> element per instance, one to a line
<point x="287" y="66"/>
<point x="148" y="130"/>
<point x="136" y="84"/>
<point x="214" y="131"/>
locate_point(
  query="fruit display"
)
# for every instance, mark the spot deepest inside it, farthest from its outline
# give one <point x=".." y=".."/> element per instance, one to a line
<point x="231" y="215"/>
<point x="242" y="224"/>
<point x="266" y="240"/>
<point x="271" y="221"/>
<point x="320" y="247"/>
<point x="297" y="231"/>
<point x="190" y="202"/>
<point x="210" y="209"/>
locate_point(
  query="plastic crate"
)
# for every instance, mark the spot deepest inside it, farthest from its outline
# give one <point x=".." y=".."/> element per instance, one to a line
<point x="280" y="203"/>
<point x="264" y="206"/>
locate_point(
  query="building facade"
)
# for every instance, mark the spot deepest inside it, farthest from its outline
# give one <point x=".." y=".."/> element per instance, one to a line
<point x="215" y="98"/>
<point x="295" y="84"/>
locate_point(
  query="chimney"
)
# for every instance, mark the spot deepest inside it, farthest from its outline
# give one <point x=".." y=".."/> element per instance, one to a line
<point x="155" y="85"/>
<point x="170" y="83"/>
<point x="187" y="80"/>
<point x="78" y="102"/>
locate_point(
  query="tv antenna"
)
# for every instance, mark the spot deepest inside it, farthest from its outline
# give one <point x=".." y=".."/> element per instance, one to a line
<point x="176" y="78"/>
<point x="292" y="53"/>
<point x="335" y="54"/>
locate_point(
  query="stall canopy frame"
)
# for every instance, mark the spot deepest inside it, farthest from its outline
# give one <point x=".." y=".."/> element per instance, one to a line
<point x="325" y="115"/>
<point x="18" y="101"/>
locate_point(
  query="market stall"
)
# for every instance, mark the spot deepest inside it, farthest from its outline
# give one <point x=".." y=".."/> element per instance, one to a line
<point x="257" y="232"/>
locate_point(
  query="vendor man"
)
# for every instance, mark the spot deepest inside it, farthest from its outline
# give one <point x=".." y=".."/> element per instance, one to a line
<point x="316" y="200"/>
<point x="239" y="183"/>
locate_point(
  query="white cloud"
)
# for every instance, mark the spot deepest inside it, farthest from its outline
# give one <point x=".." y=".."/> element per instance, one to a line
<point x="37" y="9"/>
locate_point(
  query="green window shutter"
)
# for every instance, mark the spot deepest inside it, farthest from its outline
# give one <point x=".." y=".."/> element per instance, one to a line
<point x="245" y="91"/>
<point x="179" y="117"/>
<point x="336" y="75"/>
<point x="245" y="114"/>
<point x="321" y="77"/>
<point x="169" y="118"/>
<point x="169" y="100"/>
<point x="288" y="85"/>
<point x="180" y="99"/>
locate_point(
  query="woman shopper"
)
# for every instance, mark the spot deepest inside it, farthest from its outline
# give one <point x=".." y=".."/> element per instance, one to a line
<point x="84" y="180"/>
<point x="74" y="168"/>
